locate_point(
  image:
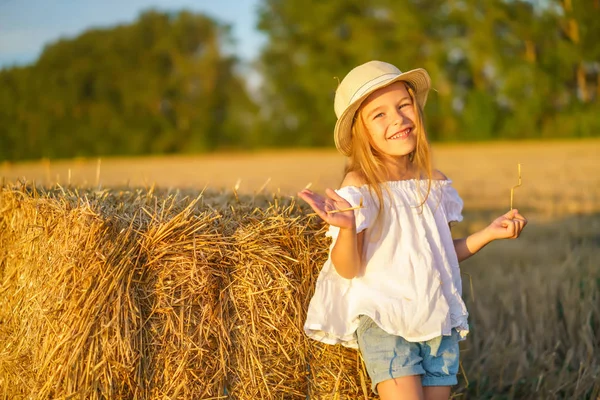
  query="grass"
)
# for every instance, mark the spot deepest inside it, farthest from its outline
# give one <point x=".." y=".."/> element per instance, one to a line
<point x="535" y="316"/>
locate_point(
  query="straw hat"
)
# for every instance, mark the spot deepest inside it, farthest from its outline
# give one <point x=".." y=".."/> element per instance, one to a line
<point x="359" y="84"/>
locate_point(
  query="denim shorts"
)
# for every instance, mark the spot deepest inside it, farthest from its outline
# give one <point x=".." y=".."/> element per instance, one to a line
<point x="387" y="356"/>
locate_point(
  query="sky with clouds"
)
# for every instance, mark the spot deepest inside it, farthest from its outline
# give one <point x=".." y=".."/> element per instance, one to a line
<point x="27" y="25"/>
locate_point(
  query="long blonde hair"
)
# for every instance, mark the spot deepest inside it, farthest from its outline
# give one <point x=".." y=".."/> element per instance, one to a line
<point x="368" y="162"/>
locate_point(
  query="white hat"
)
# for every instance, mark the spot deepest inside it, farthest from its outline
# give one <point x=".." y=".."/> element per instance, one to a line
<point x="359" y="84"/>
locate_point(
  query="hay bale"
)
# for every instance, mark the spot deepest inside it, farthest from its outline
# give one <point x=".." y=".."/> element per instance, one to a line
<point x="269" y="279"/>
<point x="64" y="309"/>
<point x="337" y="372"/>
<point x="149" y="294"/>
<point x="187" y="346"/>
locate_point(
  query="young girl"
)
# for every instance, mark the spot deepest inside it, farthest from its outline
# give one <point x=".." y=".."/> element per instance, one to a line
<point x="391" y="286"/>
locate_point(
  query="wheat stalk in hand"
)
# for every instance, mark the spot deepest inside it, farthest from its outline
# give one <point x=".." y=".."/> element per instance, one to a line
<point x="512" y="190"/>
<point x="360" y="205"/>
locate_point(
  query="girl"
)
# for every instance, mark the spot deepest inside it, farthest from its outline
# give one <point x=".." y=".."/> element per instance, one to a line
<point x="391" y="286"/>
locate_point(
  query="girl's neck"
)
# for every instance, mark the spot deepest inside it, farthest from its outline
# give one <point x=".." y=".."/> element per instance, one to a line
<point x="399" y="169"/>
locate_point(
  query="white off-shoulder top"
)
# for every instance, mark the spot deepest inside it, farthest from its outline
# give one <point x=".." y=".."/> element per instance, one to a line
<point x="411" y="284"/>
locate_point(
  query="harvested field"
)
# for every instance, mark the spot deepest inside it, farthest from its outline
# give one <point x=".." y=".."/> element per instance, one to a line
<point x="559" y="177"/>
<point x="113" y="292"/>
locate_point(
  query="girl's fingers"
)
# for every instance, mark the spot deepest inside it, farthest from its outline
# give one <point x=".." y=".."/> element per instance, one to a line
<point x="314" y="201"/>
<point x="514" y="229"/>
<point x="332" y="198"/>
<point x="511" y="228"/>
<point x="307" y="194"/>
<point x="521" y="224"/>
<point x="521" y="221"/>
<point x="311" y="197"/>
<point x="338" y="200"/>
<point x="511" y="223"/>
<point x="521" y="218"/>
<point x="318" y="210"/>
<point x="323" y="207"/>
<point x="332" y="194"/>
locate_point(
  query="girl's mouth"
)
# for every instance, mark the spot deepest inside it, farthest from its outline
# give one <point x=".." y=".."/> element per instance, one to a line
<point x="401" y="135"/>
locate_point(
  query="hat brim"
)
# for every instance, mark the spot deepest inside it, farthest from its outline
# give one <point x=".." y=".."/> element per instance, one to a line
<point x="418" y="78"/>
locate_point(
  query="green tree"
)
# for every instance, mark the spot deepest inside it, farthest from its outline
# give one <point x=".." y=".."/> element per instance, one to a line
<point x="312" y="44"/>
<point x="500" y="68"/>
<point x="163" y="84"/>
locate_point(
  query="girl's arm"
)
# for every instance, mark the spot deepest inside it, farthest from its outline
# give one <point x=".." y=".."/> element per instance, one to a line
<point x="507" y="226"/>
<point x="466" y="247"/>
<point x="346" y="253"/>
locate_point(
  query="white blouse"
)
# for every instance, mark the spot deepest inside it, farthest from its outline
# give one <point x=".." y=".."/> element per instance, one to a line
<point x="411" y="284"/>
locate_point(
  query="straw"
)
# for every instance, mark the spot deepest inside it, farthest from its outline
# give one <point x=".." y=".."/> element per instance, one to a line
<point x="516" y="186"/>
<point x="138" y="293"/>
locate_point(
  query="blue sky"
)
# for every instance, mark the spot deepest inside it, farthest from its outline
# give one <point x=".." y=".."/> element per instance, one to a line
<point x="27" y="25"/>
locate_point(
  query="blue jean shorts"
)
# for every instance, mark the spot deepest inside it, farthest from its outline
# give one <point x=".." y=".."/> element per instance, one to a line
<point x="387" y="356"/>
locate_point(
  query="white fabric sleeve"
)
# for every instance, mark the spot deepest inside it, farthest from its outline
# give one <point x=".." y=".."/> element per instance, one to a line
<point x="453" y="204"/>
<point x="364" y="216"/>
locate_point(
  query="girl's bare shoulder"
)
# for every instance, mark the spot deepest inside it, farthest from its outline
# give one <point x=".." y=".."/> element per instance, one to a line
<point x="437" y="175"/>
<point x="353" y="178"/>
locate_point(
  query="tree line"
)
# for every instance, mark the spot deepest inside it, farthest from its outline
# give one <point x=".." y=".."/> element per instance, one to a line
<point x="169" y="83"/>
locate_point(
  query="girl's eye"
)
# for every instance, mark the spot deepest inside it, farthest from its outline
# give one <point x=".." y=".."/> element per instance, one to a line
<point x="378" y="115"/>
<point x="404" y="105"/>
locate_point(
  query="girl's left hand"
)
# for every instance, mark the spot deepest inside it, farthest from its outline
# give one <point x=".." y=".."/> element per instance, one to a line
<point x="507" y="226"/>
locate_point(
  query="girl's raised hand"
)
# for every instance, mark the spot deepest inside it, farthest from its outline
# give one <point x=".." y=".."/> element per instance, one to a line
<point x="333" y="201"/>
<point x="507" y="226"/>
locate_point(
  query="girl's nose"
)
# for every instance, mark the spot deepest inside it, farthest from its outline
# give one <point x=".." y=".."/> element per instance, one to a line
<point x="399" y="117"/>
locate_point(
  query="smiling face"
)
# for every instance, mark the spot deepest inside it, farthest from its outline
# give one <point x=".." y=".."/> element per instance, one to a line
<point x="389" y="116"/>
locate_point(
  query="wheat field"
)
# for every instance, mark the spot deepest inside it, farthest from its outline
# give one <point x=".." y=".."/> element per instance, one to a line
<point x="558" y="177"/>
<point x="205" y="298"/>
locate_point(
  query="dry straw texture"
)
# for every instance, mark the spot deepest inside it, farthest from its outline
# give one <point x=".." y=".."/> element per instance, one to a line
<point x="138" y="294"/>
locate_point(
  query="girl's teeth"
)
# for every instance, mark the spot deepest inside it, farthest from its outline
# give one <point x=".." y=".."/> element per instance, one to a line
<point x="403" y="133"/>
